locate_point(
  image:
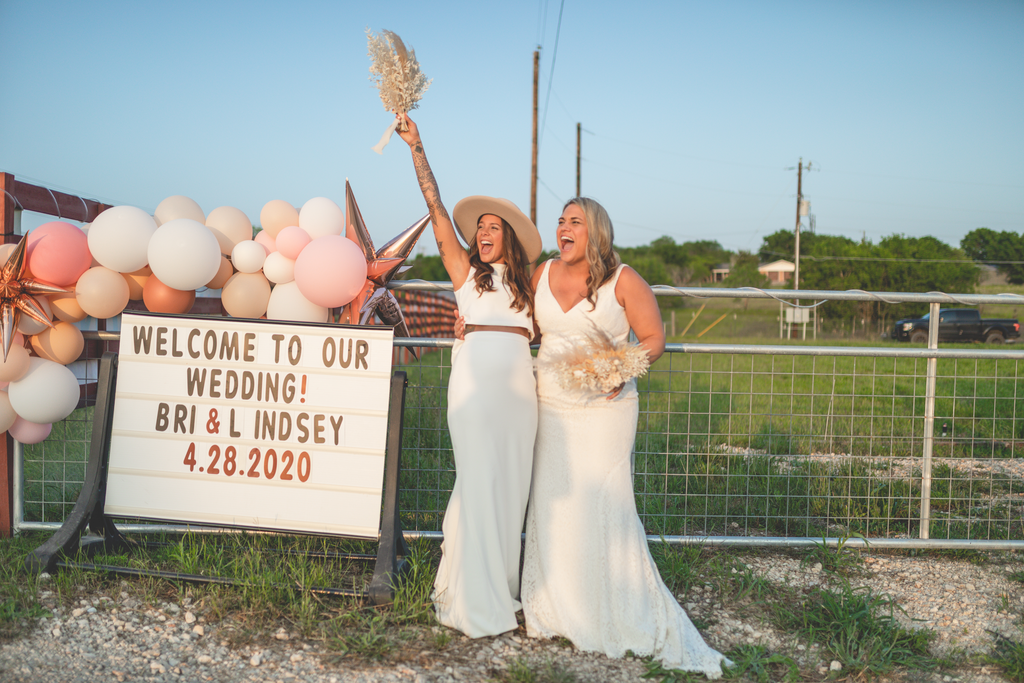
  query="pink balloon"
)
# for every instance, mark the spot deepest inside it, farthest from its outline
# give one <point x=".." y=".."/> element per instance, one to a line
<point x="330" y="271"/>
<point x="263" y="237"/>
<point x="58" y="252"/>
<point x="29" y="432"/>
<point x="291" y="241"/>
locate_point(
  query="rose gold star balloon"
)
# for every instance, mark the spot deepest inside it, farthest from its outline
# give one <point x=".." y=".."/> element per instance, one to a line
<point x="381" y="267"/>
<point x="17" y="296"/>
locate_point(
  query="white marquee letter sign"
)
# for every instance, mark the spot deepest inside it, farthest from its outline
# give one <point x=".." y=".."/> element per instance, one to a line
<point x="259" y="425"/>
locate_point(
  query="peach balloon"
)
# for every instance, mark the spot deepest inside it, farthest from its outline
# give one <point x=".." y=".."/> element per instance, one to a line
<point x="291" y="241"/>
<point x="159" y="298"/>
<point x="62" y="344"/>
<point x="16" y="365"/>
<point x="226" y="271"/>
<point x="58" y="253"/>
<point x="5" y="252"/>
<point x="230" y="226"/>
<point x="136" y="281"/>
<point x="276" y="215"/>
<point x="29" y="325"/>
<point x="268" y="242"/>
<point x="176" y="207"/>
<point x="29" y="432"/>
<point x="246" y="295"/>
<point x="101" y="292"/>
<point x="66" y="307"/>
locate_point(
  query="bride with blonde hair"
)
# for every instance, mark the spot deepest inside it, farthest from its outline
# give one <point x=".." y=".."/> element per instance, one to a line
<point x="588" y="572"/>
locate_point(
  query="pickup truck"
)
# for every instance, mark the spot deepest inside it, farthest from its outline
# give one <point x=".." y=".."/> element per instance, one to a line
<point x="958" y="325"/>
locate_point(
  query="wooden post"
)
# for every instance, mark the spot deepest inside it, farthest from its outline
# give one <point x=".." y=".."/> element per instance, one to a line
<point x="533" y="170"/>
<point x="578" y="160"/>
<point x="7" y="207"/>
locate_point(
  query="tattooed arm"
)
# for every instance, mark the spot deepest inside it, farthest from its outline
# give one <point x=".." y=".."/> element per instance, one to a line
<point x="453" y="256"/>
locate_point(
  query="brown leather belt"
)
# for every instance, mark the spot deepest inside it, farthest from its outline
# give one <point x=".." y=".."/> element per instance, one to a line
<point x="500" y="328"/>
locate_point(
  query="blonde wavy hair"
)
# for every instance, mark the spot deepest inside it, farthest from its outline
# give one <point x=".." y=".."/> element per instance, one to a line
<point x="601" y="256"/>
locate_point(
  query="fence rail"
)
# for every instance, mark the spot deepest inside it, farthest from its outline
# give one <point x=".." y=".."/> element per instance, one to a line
<point x="744" y="444"/>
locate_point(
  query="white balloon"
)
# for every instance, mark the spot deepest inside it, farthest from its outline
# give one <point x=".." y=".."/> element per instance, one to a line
<point x="279" y="268"/>
<point x="230" y="226"/>
<point x="321" y="216"/>
<point x="119" y="238"/>
<point x="48" y="392"/>
<point x="184" y="254"/>
<point x="248" y="256"/>
<point x="28" y="325"/>
<point x="7" y="414"/>
<point x="287" y="303"/>
<point x="178" y="206"/>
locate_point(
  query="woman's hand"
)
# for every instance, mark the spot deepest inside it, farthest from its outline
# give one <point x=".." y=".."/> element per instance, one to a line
<point x="460" y="326"/>
<point x="411" y="134"/>
<point x="615" y="392"/>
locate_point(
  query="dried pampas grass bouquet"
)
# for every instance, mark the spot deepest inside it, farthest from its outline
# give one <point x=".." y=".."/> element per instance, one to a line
<point x="597" y="363"/>
<point x="396" y="74"/>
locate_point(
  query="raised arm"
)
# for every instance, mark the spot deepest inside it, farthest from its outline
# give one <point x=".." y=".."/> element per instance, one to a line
<point x="453" y="256"/>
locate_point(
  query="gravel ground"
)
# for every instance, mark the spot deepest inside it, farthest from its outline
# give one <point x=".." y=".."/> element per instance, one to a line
<point x="116" y="637"/>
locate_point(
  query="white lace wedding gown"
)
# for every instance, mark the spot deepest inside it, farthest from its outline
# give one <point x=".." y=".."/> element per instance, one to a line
<point x="589" y="575"/>
<point x="492" y="418"/>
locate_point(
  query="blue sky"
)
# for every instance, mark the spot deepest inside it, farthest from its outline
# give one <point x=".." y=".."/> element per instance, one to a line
<point x="695" y="114"/>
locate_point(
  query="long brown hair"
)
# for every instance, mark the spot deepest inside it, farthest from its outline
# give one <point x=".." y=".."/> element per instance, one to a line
<point x="517" y="274"/>
<point x="602" y="259"/>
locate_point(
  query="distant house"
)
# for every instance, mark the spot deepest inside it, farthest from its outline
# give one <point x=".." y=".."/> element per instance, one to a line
<point x="720" y="272"/>
<point x="778" y="272"/>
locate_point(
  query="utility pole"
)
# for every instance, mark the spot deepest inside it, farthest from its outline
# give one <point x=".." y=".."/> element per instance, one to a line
<point x="799" y="199"/>
<point x="533" y="171"/>
<point x="577" y="159"/>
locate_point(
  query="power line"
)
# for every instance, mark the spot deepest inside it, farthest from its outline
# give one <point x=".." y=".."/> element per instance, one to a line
<point x="551" y="75"/>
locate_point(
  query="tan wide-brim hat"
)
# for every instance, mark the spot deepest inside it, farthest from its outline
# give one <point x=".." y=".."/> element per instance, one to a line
<point x="468" y="211"/>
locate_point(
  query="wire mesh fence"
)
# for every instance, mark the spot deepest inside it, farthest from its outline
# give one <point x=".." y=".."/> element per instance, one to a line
<point x="743" y="442"/>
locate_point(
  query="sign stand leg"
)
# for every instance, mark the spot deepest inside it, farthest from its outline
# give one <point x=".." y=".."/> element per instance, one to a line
<point x="392" y="542"/>
<point x="88" y="510"/>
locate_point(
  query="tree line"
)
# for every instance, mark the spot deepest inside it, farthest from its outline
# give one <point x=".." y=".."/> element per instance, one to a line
<point x="896" y="263"/>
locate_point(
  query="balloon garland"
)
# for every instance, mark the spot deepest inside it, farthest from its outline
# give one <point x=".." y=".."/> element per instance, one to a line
<point x="302" y="265"/>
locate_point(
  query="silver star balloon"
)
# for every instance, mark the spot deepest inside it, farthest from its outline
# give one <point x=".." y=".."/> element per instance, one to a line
<point x="382" y="265"/>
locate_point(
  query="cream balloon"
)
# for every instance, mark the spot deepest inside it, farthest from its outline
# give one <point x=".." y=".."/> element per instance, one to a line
<point x="276" y="215"/>
<point x="246" y="295"/>
<point x="320" y="216"/>
<point x="287" y="303"/>
<point x="28" y="325"/>
<point x="7" y="414"/>
<point x="248" y="256"/>
<point x="230" y="226"/>
<point x="16" y="365"/>
<point x="119" y="238"/>
<point x="278" y="268"/>
<point x="48" y="392"/>
<point x="176" y="207"/>
<point x="184" y="254"/>
<point x="102" y="292"/>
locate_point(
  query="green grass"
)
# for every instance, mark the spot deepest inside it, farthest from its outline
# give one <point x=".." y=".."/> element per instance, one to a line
<point x="1008" y="655"/>
<point x="857" y="627"/>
